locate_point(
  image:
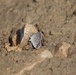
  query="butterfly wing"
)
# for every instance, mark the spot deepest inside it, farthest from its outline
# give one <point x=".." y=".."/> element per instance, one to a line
<point x="36" y="40"/>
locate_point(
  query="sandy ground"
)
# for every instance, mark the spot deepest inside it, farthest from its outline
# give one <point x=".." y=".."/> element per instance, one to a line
<point x="57" y="21"/>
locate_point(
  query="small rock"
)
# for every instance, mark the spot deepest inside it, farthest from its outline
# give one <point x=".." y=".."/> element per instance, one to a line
<point x="4" y="33"/>
<point x="46" y="54"/>
<point x="62" y="50"/>
<point x="29" y="30"/>
<point x="19" y="37"/>
<point x="12" y="48"/>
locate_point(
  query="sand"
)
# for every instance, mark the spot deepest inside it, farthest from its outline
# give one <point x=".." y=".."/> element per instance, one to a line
<point x="56" y="19"/>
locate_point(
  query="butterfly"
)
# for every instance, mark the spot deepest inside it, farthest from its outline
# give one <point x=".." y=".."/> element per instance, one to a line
<point x="35" y="40"/>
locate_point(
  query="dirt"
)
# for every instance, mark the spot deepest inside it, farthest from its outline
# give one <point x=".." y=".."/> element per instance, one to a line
<point x="56" y="19"/>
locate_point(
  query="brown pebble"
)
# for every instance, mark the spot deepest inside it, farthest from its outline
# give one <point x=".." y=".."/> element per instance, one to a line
<point x="4" y="33"/>
<point x="61" y="50"/>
